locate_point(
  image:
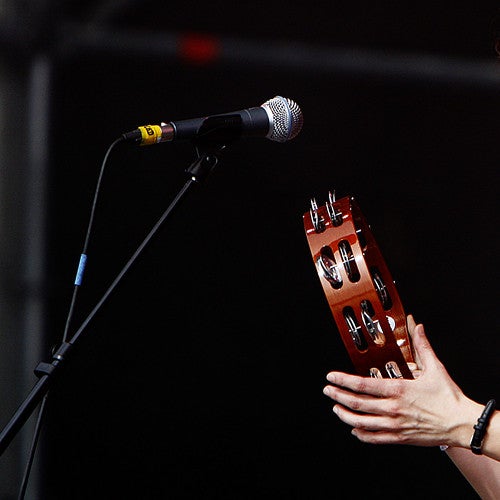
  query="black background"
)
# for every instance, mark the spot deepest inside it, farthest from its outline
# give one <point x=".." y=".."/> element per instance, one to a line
<point x="201" y="376"/>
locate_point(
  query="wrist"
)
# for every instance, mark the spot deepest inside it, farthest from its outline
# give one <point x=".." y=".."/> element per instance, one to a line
<point x="463" y="428"/>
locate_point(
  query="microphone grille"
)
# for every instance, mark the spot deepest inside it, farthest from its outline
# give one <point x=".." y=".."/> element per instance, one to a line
<point x="286" y="118"/>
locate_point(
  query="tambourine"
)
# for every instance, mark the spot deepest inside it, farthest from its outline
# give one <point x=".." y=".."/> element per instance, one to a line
<point x="359" y="288"/>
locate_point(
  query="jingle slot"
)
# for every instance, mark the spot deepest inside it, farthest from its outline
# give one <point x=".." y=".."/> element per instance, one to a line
<point x="382" y="292"/>
<point x="372" y="327"/>
<point x="317" y="220"/>
<point x="329" y="268"/>
<point x="375" y="373"/>
<point x="354" y="329"/>
<point x="393" y="370"/>
<point x="349" y="262"/>
<point x="335" y="216"/>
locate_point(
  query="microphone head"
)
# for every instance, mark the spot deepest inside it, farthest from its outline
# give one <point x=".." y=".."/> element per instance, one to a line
<point x="285" y="118"/>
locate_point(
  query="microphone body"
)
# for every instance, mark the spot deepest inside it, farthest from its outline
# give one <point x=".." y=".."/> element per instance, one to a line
<point x="278" y="119"/>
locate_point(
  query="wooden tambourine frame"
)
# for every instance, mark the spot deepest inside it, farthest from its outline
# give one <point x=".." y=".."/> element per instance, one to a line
<point x="359" y="288"/>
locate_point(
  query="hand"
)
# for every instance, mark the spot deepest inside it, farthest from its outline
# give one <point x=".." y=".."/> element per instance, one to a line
<point x="428" y="411"/>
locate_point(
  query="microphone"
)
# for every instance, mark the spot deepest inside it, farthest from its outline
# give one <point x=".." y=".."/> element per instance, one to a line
<point x="278" y="119"/>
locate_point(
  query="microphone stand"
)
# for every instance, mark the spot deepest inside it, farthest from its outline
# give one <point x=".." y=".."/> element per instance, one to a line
<point x="46" y="372"/>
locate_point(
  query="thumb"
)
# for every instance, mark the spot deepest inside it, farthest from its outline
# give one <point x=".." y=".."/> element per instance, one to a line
<point x="423" y="349"/>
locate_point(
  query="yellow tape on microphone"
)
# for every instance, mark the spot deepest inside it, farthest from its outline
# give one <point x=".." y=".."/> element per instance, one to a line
<point x="150" y="134"/>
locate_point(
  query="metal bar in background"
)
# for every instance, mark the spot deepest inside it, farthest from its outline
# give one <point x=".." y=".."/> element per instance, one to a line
<point x="309" y="58"/>
<point x="24" y="120"/>
<point x="34" y="251"/>
<point x="12" y="106"/>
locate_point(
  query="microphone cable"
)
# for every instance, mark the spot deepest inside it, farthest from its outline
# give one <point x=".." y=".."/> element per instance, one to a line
<point x="77" y="283"/>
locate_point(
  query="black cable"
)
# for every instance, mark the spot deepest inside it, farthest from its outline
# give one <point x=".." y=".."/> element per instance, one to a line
<point x="78" y="280"/>
<point x="87" y="239"/>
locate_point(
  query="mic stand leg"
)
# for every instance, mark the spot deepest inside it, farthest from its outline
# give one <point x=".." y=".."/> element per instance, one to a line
<point x="46" y="372"/>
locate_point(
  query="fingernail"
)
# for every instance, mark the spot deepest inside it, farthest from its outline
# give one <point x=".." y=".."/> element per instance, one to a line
<point x="326" y="390"/>
<point x="335" y="410"/>
<point x="331" y="378"/>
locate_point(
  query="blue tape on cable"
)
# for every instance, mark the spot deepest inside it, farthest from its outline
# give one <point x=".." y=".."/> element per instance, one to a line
<point x="81" y="269"/>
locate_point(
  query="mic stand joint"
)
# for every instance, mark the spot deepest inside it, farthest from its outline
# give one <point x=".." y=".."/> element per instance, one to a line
<point x="57" y="358"/>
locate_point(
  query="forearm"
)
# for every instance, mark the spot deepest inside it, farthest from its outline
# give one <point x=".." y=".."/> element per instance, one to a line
<point x="482" y="472"/>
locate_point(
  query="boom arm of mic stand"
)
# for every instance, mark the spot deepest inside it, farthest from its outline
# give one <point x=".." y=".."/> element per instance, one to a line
<point x="198" y="171"/>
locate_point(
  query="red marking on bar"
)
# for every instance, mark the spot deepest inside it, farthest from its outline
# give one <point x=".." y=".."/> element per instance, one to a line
<point x="199" y="49"/>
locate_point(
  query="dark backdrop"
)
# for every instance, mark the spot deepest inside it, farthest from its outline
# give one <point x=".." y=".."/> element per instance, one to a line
<point x="201" y="376"/>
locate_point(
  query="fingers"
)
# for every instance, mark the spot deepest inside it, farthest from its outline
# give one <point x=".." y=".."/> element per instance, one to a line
<point x="359" y="403"/>
<point x="362" y="385"/>
<point x="412" y="366"/>
<point x="363" y="421"/>
<point x="378" y="437"/>
<point x="415" y="369"/>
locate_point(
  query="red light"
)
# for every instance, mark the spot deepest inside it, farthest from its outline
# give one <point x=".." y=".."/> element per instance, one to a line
<point x="199" y="49"/>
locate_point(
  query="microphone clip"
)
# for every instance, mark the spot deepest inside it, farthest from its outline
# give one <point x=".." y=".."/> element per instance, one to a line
<point x="201" y="168"/>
